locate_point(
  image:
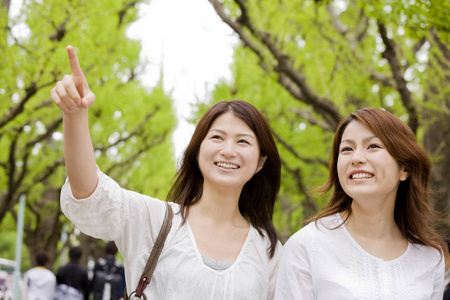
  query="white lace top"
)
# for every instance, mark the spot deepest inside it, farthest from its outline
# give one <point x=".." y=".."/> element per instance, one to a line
<point x="133" y="221"/>
<point x="323" y="264"/>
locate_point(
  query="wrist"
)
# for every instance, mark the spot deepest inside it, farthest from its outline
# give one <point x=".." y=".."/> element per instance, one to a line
<point x="79" y="114"/>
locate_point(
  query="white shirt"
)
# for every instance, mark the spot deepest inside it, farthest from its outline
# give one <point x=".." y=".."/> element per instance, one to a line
<point x="40" y="284"/>
<point x="133" y="221"/>
<point x="319" y="263"/>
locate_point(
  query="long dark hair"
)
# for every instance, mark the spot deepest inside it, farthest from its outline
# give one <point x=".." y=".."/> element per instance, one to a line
<point x="413" y="213"/>
<point x="258" y="196"/>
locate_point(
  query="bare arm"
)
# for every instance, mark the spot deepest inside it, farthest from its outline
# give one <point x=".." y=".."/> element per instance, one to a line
<point x="73" y="96"/>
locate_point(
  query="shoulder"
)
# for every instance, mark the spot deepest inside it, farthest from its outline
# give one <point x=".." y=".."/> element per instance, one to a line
<point x="313" y="234"/>
<point x="50" y="274"/>
<point x="301" y="238"/>
<point x="425" y="253"/>
<point x="175" y="207"/>
<point x="80" y="268"/>
<point x="312" y="229"/>
<point x="29" y="273"/>
<point x="259" y="241"/>
<point x="258" y="236"/>
<point x="62" y="269"/>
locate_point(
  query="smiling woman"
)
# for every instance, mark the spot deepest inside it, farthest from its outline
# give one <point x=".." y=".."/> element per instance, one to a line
<point x="378" y="220"/>
<point x="222" y="243"/>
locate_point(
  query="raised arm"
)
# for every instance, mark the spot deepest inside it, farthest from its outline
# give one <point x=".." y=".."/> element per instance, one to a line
<point x="73" y="96"/>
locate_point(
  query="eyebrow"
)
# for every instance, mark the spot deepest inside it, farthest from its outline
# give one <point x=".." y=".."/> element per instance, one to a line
<point x="239" y="135"/>
<point x="364" y="139"/>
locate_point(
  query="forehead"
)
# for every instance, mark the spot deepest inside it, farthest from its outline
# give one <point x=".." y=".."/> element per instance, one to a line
<point x="229" y="122"/>
<point x="355" y="129"/>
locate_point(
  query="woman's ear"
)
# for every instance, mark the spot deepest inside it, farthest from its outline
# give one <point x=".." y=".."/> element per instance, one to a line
<point x="404" y="175"/>
<point x="262" y="160"/>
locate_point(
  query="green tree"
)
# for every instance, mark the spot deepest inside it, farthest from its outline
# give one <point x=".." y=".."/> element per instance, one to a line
<point x="308" y="63"/>
<point x="131" y="127"/>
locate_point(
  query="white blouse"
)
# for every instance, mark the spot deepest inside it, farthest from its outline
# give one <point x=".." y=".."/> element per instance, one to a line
<point x="319" y="263"/>
<point x="133" y="221"/>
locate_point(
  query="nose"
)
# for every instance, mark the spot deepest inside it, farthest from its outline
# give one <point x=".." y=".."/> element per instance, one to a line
<point x="228" y="149"/>
<point x="358" y="157"/>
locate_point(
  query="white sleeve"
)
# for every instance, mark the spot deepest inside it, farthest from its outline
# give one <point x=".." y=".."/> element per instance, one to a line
<point x="113" y="213"/>
<point x="273" y="268"/>
<point x="439" y="281"/>
<point x="294" y="278"/>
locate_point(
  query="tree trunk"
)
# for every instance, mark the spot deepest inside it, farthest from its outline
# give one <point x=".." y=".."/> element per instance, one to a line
<point x="7" y="4"/>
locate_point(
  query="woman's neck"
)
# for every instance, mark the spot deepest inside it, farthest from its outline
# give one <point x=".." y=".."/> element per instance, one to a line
<point x="377" y="233"/>
<point x="373" y="218"/>
<point x="219" y="207"/>
<point x="371" y="224"/>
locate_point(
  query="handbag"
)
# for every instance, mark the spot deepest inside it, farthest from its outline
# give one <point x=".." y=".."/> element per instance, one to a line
<point x="153" y="258"/>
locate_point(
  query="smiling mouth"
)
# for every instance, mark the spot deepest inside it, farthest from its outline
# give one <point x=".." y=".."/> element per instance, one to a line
<point x="361" y="176"/>
<point x="227" y="165"/>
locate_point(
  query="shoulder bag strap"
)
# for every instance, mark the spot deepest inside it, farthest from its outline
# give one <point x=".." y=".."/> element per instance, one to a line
<point x="154" y="255"/>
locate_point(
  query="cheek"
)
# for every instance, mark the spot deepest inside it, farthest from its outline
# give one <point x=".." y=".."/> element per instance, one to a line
<point x="253" y="157"/>
<point x="340" y="166"/>
<point x="202" y="153"/>
<point x="203" y="150"/>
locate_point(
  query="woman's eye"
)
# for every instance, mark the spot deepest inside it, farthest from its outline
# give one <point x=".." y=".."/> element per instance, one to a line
<point x="216" y="137"/>
<point x="374" y="146"/>
<point x="243" y="141"/>
<point x="345" y="149"/>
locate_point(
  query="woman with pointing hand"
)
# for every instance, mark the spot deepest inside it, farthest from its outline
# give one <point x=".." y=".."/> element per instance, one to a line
<point x="222" y="243"/>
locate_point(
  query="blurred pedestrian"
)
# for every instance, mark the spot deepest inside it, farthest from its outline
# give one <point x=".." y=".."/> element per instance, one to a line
<point x="72" y="278"/>
<point x="39" y="282"/>
<point x="109" y="276"/>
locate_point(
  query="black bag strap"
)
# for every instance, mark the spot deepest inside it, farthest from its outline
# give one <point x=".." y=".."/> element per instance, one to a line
<point x="154" y="255"/>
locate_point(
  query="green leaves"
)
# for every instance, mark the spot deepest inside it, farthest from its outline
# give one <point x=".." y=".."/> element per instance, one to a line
<point x="307" y="63"/>
<point x="131" y="127"/>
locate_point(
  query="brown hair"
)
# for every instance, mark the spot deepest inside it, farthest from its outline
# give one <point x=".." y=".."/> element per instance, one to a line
<point x="413" y="213"/>
<point x="257" y="199"/>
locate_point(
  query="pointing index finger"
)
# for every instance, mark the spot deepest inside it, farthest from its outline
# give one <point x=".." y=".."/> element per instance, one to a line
<point x="77" y="73"/>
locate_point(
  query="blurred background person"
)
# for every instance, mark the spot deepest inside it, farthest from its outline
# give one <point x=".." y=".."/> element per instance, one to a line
<point x="72" y="278"/>
<point x="39" y="282"/>
<point x="108" y="282"/>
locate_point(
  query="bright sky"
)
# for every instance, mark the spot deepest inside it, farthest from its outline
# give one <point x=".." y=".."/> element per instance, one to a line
<point x="192" y="45"/>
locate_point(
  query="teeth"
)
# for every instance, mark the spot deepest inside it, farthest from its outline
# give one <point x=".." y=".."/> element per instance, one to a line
<point x="361" y="175"/>
<point x="226" y="165"/>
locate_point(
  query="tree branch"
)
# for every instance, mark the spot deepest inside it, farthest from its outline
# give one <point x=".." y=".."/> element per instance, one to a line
<point x="133" y="133"/>
<point x="60" y="31"/>
<point x="442" y="46"/>
<point x="322" y="106"/>
<point x="48" y="132"/>
<point x="310" y="204"/>
<point x="246" y="40"/>
<point x="134" y="157"/>
<point x="391" y="55"/>
<point x="313" y="121"/>
<point x="123" y="12"/>
<point x="30" y="91"/>
<point x="296" y="154"/>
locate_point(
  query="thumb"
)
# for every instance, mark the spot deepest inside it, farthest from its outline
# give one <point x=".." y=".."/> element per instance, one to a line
<point x="88" y="99"/>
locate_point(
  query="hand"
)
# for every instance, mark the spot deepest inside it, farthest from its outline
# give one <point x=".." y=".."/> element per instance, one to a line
<point x="72" y="92"/>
